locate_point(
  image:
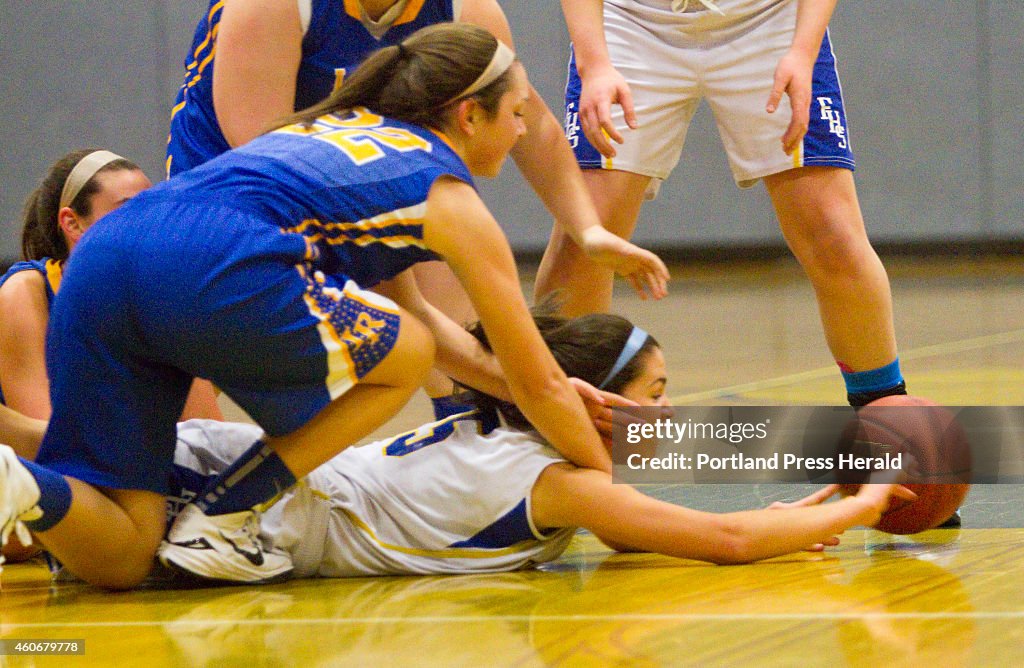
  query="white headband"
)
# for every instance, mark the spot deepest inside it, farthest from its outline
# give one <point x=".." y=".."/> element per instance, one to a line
<point x="82" y="172"/>
<point x="500" y="62"/>
<point x="637" y="339"/>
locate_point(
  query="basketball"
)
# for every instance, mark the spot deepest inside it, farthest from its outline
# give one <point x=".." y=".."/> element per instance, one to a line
<point x="932" y="448"/>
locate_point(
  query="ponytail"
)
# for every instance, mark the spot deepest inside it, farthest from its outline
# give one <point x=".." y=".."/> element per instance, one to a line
<point x="416" y="79"/>
<point x="41" y="235"/>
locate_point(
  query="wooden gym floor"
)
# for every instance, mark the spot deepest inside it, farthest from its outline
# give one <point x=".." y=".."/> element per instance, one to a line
<point x="744" y="334"/>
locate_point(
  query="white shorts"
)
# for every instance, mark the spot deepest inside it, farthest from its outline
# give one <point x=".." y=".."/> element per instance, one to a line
<point x="672" y="60"/>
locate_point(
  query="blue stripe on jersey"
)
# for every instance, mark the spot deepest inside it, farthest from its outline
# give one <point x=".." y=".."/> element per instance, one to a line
<point x="511" y="528"/>
<point x="452" y="404"/>
<point x="429" y="434"/>
<point x="396" y="234"/>
<point x="826" y="141"/>
<point x="587" y="156"/>
<point x="195" y="135"/>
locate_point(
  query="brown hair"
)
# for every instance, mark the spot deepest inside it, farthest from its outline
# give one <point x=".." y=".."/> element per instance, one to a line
<point x="585" y="347"/>
<point x="414" y="80"/>
<point x="41" y="234"/>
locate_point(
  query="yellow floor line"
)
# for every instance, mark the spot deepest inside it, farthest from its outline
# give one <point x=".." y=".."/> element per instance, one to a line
<point x="975" y="343"/>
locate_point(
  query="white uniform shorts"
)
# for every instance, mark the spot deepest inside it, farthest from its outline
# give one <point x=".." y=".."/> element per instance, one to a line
<point x="673" y="60"/>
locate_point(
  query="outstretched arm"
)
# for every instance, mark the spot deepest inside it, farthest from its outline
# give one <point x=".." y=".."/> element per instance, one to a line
<point x="624" y="518"/>
<point x="459" y="227"/>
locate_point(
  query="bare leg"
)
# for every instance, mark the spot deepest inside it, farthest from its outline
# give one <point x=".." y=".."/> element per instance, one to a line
<point x="108" y="539"/>
<point x="22" y="433"/>
<point x="821" y="220"/>
<point x="202" y="402"/>
<point x="586" y="287"/>
<point x="373" y="401"/>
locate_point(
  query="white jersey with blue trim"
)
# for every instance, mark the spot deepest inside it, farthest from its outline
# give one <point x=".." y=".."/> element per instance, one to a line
<point x="443" y="498"/>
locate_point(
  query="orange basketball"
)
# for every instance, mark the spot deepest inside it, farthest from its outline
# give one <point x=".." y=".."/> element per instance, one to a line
<point x="934" y="452"/>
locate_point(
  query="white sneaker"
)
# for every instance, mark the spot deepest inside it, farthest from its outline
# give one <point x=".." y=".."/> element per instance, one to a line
<point x="19" y="496"/>
<point x="222" y="548"/>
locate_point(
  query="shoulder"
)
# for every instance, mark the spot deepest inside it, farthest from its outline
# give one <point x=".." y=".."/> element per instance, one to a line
<point x="24" y="308"/>
<point x="453" y="202"/>
<point x="448" y="193"/>
<point x="23" y="282"/>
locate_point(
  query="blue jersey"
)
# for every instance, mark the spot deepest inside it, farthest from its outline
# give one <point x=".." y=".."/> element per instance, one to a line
<point x="336" y="39"/>
<point x="51" y="269"/>
<point x="354" y="186"/>
<point x="246" y="270"/>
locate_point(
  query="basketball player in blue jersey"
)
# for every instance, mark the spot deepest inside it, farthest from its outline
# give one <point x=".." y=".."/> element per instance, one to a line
<point x="452" y="497"/>
<point x="766" y="68"/>
<point x="78" y="190"/>
<point x="252" y="63"/>
<point x="250" y="271"/>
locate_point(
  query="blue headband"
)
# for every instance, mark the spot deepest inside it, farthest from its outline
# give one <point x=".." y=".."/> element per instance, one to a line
<point x="637" y="339"/>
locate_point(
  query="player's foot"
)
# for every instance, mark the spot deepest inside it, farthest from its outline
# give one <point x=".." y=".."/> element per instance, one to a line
<point x="952" y="523"/>
<point x="222" y="548"/>
<point x="19" y="496"/>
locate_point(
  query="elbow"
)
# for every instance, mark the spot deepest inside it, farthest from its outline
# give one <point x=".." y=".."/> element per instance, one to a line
<point x="732" y="545"/>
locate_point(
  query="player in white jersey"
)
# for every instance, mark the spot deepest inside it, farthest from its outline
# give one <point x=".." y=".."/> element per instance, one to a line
<point x="443" y="499"/>
<point x="767" y="70"/>
<point x="448" y="498"/>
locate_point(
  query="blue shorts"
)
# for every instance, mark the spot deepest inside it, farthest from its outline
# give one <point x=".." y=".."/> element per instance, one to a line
<point x="672" y="61"/>
<point x="182" y="291"/>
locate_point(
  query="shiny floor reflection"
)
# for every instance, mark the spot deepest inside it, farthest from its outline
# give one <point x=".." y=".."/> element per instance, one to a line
<point x="942" y="598"/>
